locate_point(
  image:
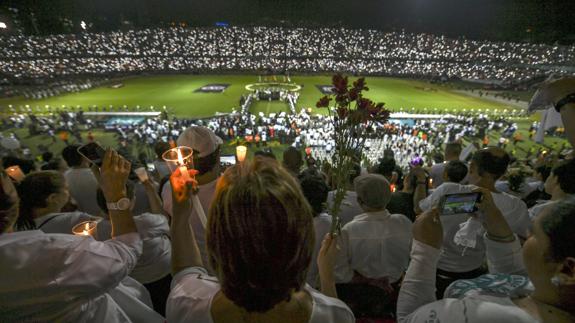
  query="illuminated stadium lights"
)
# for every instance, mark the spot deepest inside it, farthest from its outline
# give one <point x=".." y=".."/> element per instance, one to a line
<point x="83" y="25"/>
<point x="3" y="25"/>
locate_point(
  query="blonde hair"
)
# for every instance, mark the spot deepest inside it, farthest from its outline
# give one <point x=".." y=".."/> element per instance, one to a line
<point x="260" y="225"/>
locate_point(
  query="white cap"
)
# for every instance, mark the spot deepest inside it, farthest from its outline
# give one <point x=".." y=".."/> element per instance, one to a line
<point x="201" y="139"/>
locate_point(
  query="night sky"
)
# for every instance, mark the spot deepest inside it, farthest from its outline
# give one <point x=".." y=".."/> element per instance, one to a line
<point x="525" y="20"/>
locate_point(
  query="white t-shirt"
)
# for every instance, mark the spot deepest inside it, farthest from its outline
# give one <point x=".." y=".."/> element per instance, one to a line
<point x="376" y="245"/>
<point x="83" y="186"/>
<point x="349" y="206"/>
<point x="321" y="226"/>
<point x="205" y="195"/>
<point x="62" y="222"/>
<point x="155" y="261"/>
<point x="455" y="258"/>
<point x="65" y="278"/>
<point x="193" y="291"/>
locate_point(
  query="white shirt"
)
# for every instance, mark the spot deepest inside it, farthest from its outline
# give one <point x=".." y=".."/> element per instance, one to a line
<point x="321" y="226"/>
<point x="417" y="304"/>
<point x="535" y="210"/>
<point x="61" y="222"/>
<point x="455" y="258"/>
<point x="65" y="278"/>
<point x="436" y="173"/>
<point x="376" y="245"/>
<point x="205" y="195"/>
<point x="349" y="206"/>
<point x="193" y="291"/>
<point x="155" y="261"/>
<point x="83" y="186"/>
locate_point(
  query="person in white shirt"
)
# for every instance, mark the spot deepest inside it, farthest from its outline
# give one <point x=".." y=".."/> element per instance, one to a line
<point x="315" y="191"/>
<point x="82" y="184"/>
<point x="560" y="184"/>
<point x="349" y="207"/>
<point x="374" y="246"/>
<point x="68" y="278"/>
<point x="153" y="267"/>
<point x="548" y="258"/>
<point x="459" y="262"/>
<point x="452" y="152"/>
<point x="261" y="264"/>
<point x="206" y="146"/>
<point x="44" y="194"/>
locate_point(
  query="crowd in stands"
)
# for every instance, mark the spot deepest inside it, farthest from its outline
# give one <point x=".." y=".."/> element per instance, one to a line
<point x="279" y="50"/>
<point x="252" y="242"/>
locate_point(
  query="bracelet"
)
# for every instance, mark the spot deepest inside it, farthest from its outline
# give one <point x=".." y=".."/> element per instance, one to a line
<point x="566" y="100"/>
<point x="509" y="238"/>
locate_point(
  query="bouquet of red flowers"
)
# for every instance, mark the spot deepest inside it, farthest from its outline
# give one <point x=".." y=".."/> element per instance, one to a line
<point x="354" y="118"/>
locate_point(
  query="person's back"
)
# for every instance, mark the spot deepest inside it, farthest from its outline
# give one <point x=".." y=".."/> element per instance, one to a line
<point x="376" y="243"/>
<point x="81" y="181"/>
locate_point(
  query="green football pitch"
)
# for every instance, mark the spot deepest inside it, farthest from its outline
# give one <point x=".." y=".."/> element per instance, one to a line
<point x="177" y="92"/>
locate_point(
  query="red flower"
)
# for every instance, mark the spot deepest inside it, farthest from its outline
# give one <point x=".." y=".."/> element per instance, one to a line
<point x="342" y="112"/>
<point x="359" y="85"/>
<point x="339" y="83"/>
<point x="323" y="102"/>
<point x="353" y="93"/>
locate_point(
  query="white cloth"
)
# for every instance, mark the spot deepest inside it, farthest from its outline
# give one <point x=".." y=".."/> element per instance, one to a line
<point x="62" y="222"/>
<point x="436" y="173"/>
<point x="83" y="186"/>
<point x="349" y="206"/>
<point x="205" y="195"/>
<point x="65" y="278"/>
<point x="321" y="226"/>
<point x="536" y="210"/>
<point x="155" y="261"/>
<point x="455" y="258"/>
<point x="376" y="245"/>
<point x="193" y="291"/>
<point x="417" y="304"/>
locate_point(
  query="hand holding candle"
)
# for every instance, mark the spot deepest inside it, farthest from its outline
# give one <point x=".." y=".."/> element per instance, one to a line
<point x="15" y="172"/>
<point x="86" y="228"/>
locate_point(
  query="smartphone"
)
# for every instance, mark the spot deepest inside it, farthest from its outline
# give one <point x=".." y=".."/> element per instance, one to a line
<point x="93" y="152"/>
<point x="228" y="159"/>
<point x="460" y="203"/>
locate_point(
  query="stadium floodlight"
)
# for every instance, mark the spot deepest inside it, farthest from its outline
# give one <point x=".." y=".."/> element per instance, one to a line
<point x="83" y="24"/>
<point x="3" y="25"/>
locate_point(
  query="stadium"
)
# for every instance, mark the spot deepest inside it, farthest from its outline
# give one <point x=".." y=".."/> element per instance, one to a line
<point x="289" y="163"/>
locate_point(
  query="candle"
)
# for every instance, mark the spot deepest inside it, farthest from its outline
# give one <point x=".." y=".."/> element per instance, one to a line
<point x="431" y="182"/>
<point x="86" y="228"/>
<point x="392" y="187"/>
<point x="15" y="173"/>
<point x="183" y="168"/>
<point x="241" y="153"/>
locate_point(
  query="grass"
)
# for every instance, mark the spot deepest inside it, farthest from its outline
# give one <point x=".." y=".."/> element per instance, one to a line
<point x="177" y="93"/>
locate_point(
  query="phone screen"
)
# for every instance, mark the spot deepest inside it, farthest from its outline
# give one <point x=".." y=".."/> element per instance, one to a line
<point x="460" y="203"/>
<point x="93" y="152"/>
<point x="228" y="159"/>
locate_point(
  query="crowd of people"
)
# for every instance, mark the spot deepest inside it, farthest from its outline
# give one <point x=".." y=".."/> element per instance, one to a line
<point x="96" y="240"/>
<point x="279" y="50"/>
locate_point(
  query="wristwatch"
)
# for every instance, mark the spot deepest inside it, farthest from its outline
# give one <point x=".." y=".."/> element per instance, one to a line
<point x="566" y="100"/>
<point x="121" y="205"/>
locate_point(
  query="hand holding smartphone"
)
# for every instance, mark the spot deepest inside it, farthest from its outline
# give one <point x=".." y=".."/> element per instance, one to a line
<point x="93" y="152"/>
<point x="460" y="203"/>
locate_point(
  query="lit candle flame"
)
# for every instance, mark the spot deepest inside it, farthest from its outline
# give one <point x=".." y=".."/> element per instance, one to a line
<point x="86" y="229"/>
<point x="183" y="168"/>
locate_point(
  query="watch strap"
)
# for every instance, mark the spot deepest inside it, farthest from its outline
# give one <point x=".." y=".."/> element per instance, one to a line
<point x="566" y="100"/>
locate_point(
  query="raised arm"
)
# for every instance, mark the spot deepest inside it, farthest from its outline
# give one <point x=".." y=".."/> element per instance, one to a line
<point x="155" y="201"/>
<point x="418" y="286"/>
<point x="185" y="251"/>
